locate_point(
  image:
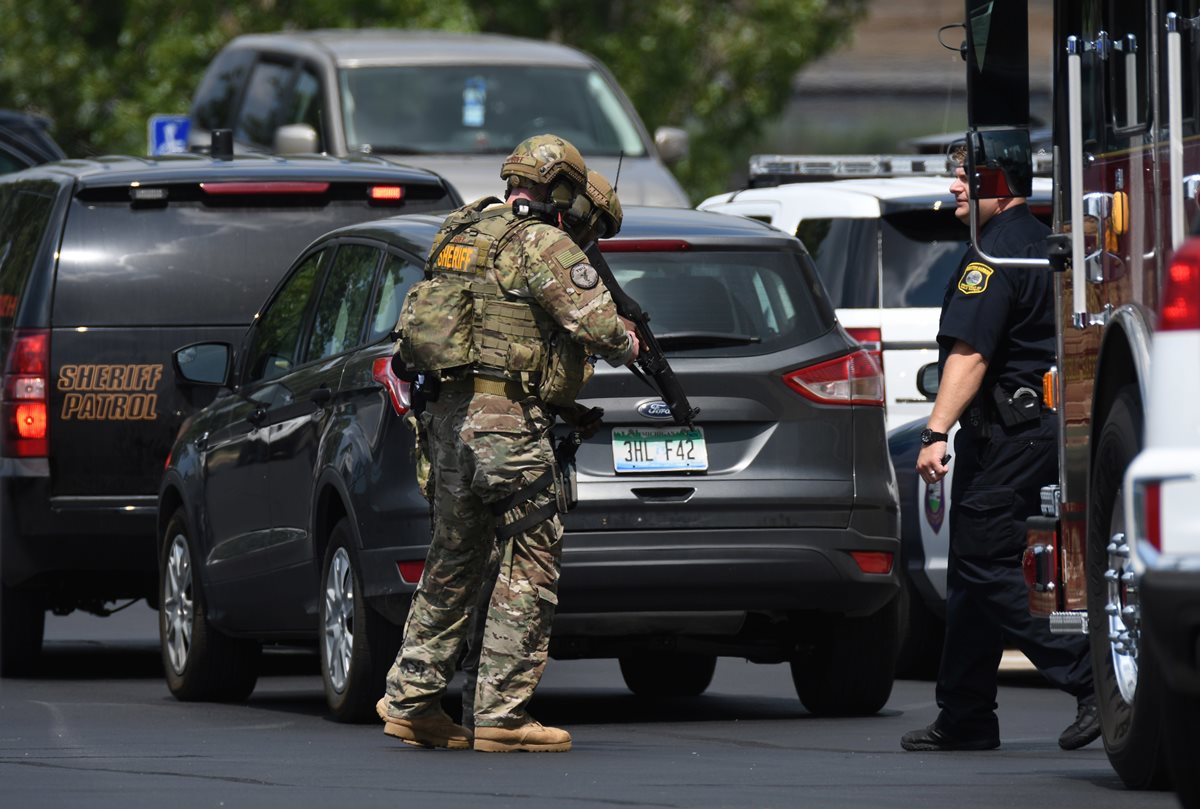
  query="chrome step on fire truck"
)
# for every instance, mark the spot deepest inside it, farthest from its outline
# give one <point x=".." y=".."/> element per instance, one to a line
<point x="1127" y="172"/>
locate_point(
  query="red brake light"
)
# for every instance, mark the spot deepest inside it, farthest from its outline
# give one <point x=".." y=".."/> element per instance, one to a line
<point x="1181" y="293"/>
<point x="386" y="193"/>
<point x="396" y="387"/>
<point x="284" y="187"/>
<point x="873" y="561"/>
<point x="851" y="379"/>
<point x="25" y="408"/>
<point x="645" y="246"/>
<point x="31" y="420"/>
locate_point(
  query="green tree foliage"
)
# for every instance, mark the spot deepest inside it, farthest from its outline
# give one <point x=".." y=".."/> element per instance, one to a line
<point x="720" y="68"/>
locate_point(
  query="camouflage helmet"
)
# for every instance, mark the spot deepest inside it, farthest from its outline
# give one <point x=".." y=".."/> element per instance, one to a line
<point x="542" y="159"/>
<point x="606" y="211"/>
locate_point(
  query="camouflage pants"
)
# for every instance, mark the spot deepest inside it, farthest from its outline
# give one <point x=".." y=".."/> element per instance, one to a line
<point x="483" y="449"/>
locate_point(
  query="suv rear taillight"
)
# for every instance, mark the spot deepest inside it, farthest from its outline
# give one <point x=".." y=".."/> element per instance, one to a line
<point x="852" y="379"/>
<point x="397" y="388"/>
<point x="1181" y="293"/>
<point x="25" y="409"/>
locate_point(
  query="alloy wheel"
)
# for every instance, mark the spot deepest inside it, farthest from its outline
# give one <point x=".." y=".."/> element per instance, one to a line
<point x="178" y="607"/>
<point x="339" y="619"/>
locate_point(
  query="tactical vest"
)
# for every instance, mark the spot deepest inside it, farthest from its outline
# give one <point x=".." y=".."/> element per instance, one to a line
<point x="459" y="316"/>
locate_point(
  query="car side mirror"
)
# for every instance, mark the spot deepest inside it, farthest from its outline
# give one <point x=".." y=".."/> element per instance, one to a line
<point x="296" y="139"/>
<point x="203" y="363"/>
<point x="672" y="142"/>
<point x="928" y="380"/>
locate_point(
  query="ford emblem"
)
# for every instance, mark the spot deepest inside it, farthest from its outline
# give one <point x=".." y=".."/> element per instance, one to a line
<point x="655" y="410"/>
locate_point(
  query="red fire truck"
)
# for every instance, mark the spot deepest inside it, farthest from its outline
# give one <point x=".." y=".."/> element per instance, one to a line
<point x="1126" y="172"/>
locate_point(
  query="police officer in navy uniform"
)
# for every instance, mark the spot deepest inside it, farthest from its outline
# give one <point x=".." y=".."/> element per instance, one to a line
<point x="996" y="339"/>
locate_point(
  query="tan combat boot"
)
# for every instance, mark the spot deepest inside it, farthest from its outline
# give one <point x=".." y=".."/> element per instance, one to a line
<point x="530" y="738"/>
<point x="434" y="730"/>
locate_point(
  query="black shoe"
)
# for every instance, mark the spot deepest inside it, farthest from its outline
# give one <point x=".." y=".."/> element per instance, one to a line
<point x="1084" y="730"/>
<point x="934" y="738"/>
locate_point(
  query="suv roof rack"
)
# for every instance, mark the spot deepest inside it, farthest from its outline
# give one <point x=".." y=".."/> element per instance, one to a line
<point x="768" y="170"/>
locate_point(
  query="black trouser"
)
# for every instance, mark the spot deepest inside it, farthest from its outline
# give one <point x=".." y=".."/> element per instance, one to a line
<point x="998" y="475"/>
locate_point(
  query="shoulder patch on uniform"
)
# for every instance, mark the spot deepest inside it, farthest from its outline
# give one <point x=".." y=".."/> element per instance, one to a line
<point x="974" y="278"/>
<point x="584" y="276"/>
<point x="568" y="257"/>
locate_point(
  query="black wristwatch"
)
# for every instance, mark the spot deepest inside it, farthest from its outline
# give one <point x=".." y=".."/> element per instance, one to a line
<point x="928" y="437"/>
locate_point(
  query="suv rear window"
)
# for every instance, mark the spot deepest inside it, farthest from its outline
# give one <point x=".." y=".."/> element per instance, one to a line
<point x="189" y="262"/>
<point x="919" y="250"/>
<point x="719" y="303"/>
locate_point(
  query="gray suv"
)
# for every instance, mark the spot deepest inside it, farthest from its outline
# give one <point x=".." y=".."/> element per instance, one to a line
<point x="451" y="103"/>
<point x="768" y="531"/>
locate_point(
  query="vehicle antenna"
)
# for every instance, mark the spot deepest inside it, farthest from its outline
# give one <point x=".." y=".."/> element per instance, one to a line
<point x="617" y="179"/>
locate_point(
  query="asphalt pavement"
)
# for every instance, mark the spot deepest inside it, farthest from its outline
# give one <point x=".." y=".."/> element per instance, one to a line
<point x="98" y="728"/>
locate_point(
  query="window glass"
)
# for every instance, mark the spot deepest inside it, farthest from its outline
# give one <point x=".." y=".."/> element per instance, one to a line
<point x="211" y="261"/>
<point x="920" y="250"/>
<point x="726" y="303"/>
<point x="398" y="275"/>
<point x="218" y="91"/>
<point x="275" y="344"/>
<point x="846" y="252"/>
<point x="482" y="109"/>
<point x="338" y="324"/>
<point x="261" y="109"/>
<point x="307" y="104"/>
<point x="25" y="210"/>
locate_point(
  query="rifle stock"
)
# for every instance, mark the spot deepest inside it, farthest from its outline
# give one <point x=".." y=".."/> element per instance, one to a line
<point x="650" y="363"/>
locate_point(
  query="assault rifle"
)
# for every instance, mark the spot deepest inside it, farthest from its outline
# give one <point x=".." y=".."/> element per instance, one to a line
<point x="650" y="362"/>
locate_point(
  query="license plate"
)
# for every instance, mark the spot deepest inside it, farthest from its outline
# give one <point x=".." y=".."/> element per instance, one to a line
<point x="659" y="449"/>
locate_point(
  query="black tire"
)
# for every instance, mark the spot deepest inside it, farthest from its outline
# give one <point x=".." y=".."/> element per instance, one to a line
<point x="851" y="668"/>
<point x="1131" y="729"/>
<point x="22" y="624"/>
<point x="668" y="675"/>
<point x="1181" y="732"/>
<point x="200" y="663"/>
<point x="357" y="644"/>
<point x="924" y="635"/>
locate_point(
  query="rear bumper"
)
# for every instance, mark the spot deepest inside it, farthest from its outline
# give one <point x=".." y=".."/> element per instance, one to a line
<point x="766" y="570"/>
<point x="1170" y="603"/>
<point x="82" y="548"/>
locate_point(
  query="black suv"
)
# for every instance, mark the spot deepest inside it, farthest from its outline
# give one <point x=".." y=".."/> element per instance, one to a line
<point x="106" y="267"/>
<point x="768" y="531"/>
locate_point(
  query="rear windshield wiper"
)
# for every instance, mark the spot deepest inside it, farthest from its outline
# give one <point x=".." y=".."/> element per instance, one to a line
<point x="704" y="339"/>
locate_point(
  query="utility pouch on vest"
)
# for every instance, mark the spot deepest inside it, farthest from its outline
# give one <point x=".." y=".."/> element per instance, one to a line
<point x="566" y="485"/>
<point x="1024" y="406"/>
<point x="510" y="338"/>
<point x="437" y="324"/>
<point x="565" y="373"/>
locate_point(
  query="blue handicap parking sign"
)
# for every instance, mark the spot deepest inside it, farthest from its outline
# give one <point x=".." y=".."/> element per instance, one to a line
<point x="167" y="134"/>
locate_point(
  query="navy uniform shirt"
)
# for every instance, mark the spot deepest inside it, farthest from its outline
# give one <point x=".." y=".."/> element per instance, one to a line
<point x="1004" y="313"/>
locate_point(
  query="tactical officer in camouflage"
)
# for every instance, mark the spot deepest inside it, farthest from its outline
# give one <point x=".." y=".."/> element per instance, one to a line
<point x="505" y="320"/>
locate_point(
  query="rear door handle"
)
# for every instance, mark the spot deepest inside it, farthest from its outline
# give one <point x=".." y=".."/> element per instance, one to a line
<point x="321" y="396"/>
